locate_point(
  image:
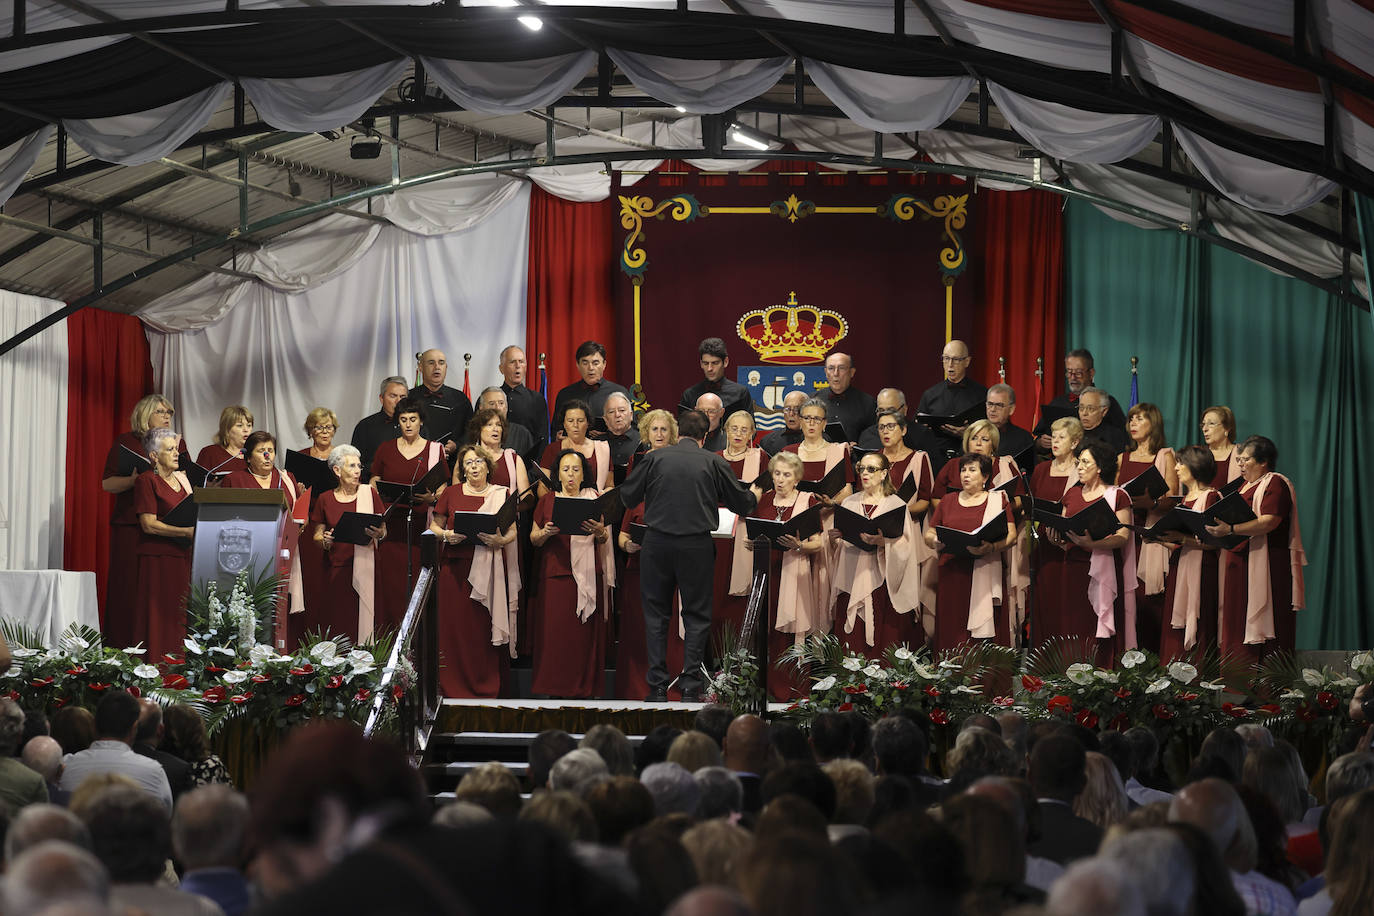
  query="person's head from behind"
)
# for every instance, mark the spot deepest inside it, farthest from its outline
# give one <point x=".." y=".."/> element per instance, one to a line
<point x="830" y="737"/>
<point x="804" y="780"/>
<point x="53" y="874"/>
<point x="116" y="716"/>
<point x="1163" y="865"/>
<point x="1268" y="771"/>
<point x="795" y="875"/>
<point x="619" y="805"/>
<point x="210" y="827"/>
<point x="716" y="847"/>
<point x="1058" y="767"/>
<point x="746" y="748"/>
<point x="721" y="793"/>
<point x="575" y="767"/>
<point x="853" y="791"/>
<point x="563" y="813"/>
<point x="493" y="786"/>
<point x="184" y="733"/>
<point x="34" y="824"/>
<point x="1350" y="863"/>
<point x="614" y="748"/>
<point x="1096" y="887"/>
<point x="11" y="726"/>
<point x="43" y="755"/>
<point x="981" y="751"/>
<point x="713" y="719"/>
<point x="994" y="848"/>
<point x="1103" y="798"/>
<point x="672" y="787"/>
<point x="693" y="424"/>
<point x="1224" y="743"/>
<point x="130" y="834"/>
<point x="545" y="749"/>
<point x="693" y="750"/>
<point x="899" y="747"/>
<point x="1213" y="806"/>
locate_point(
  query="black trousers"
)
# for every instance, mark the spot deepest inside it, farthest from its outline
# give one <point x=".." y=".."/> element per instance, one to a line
<point x="684" y="564"/>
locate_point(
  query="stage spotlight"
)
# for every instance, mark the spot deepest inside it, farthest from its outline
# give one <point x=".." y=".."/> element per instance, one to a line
<point x="364" y="148"/>
<point x="533" y="23"/>
<point x="740" y="135"/>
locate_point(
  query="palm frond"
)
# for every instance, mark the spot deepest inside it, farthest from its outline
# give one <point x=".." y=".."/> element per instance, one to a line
<point x="80" y="639"/>
<point x="313" y="637"/>
<point x="821" y="653"/>
<point x="19" y="635"/>
<point x="1279" y="671"/>
<point x="975" y="659"/>
<point x="1056" y="654"/>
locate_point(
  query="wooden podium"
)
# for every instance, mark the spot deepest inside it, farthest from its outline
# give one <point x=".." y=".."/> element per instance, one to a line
<point x="245" y="529"/>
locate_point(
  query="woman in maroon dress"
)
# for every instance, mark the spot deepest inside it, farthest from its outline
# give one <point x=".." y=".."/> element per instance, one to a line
<point x="260" y="451"/>
<point x="819" y="456"/>
<point x="1218" y="427"/>
<point x="1264" y="582"/>
<point x="576" y="422"/>
<point x="970" y="603"/>
<point x="405" y="459"/>
<point x="799" y="586"/>
<point x="1145" y="426"/>
<point x="572" y="603"/>
<point x="980" y="438"/>
<point x="226" y="452"/>
<point x="1052" y="480"/>
<point x="734" y="567"/>
<point x="350" y="589"/>
<point x="127" y="454"/>
<point x="914" y="465"/>
<point x="320" y="425"/>
<point x="1097" y="599"/>
<point x="1190" y="597"/>
<point x="873" y="594"/>
<point x="164" y="551"/>
<point x="479" y="583"/>
<point x="487" y="430"/>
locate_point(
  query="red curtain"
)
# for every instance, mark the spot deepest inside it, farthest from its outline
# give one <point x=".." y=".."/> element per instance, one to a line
<point x="572" y="255"/>
<point x="108" y="371"/>
<point x="1022" y="293"/>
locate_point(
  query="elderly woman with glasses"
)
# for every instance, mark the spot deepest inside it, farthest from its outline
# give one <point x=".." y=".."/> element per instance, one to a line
<point x="350" y="569"/>
<point x="818" y="456"/>
<point x="1264" y="582"/>
<point x="164" y="551"/>
<point x="1218" y="427"/>
<point x="320" y="426"/>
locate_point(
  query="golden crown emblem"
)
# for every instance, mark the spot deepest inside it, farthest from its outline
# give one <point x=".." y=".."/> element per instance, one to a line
<point x="792" y="334"/>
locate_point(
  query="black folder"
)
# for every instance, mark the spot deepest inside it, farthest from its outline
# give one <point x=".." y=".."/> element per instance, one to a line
<point x="183" y="514"/>
<point x="1233" y="509"/>
<point x="834" y="432"/>
<point x="851" y="524"/>
<point x="131" y="462"/>
<point x="957" y="543"/>
<point x="394" y="492"/>
<point x="351" y="527"/>
<point x="1149" y="483"/>
<point x="472" y="524"/>
<point x="1048" y="414"/>
<point x="1097" y="521"/>
<point x="199" y="476"/>
<point x="832" y="483"/>
<point x="937" y="422"/>
<point x="637" y="532"/>
<point x="1232" y="487"/>
<point x="804" y="524"/>
<point x="311" y="471"/>
<point x="764" y="481"/>
<point x="908" y="488"/>
<point x="570" y="512"/>
<point x="618" y="474"/>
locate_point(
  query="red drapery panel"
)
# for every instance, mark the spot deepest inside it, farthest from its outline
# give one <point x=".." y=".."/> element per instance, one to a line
<point x="1022" y="293"/>
<point x="109" y="370"/>
<point x="572" y="254"/>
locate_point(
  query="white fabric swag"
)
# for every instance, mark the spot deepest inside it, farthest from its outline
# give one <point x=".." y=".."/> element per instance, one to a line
<point x="317" y="103"/>
<point x="147" y="136"/>
<point x="889" y="103"/>
<point x="17" y="158"/>
<point x="508" y="87"/>
<point x="1257" y="184"/>
<point x="700" y="86"/>
<point x="1074" y="134"/>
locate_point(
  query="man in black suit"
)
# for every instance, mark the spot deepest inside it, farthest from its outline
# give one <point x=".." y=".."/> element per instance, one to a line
<point x="1058" y="772"/>
<point x="1079" y="375"/>
<point x="146" y="741"/>
<point x="917" y="436"/>
<point x="900" y="748"/>
<point x="952" y="395"/>
<point x="593" y="387"/>
<point x="1093" y="407"/>
<point x="447" y="410"/>
<point x="1011" y="439"/>
<point x="745" y="752"/>
<point x="525" y="406"/>
<point x="715" y="359"/>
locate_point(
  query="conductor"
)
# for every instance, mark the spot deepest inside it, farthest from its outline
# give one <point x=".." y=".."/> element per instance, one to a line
<point x="681" y="486"/>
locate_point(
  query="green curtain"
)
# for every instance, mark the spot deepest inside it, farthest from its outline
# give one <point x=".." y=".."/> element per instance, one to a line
<point x="1210" y="327"/>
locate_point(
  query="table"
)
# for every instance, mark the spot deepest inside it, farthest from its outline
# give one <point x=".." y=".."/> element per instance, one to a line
<point x="47" y="601"/>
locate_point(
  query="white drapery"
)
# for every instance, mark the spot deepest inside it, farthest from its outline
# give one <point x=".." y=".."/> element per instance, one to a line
<point x="331" y="343"/>
<point x="320" y="102"/>
<point x="508" y="87"/>
<point x="885" y="102"/>
<point x="33" y="401"/>
<point x="17" y="158"/>
<point x="148" y="135"/>
<point x="1072" y="133"/>
<point x="700" y="86"/>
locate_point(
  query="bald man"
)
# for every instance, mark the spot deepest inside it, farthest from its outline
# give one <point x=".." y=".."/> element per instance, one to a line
<point x="853" y="409"/>
<point x="714" y="408"/>
<point x="447" y="410"/>
<point x="791" y="433"/>
<point x="745" y="751"/>
<point x="918" y="436"/>
<point x="953" y="394"/>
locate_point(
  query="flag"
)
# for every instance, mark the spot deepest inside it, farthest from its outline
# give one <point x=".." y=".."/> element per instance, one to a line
<point x="467" y="383"/>
<point x="544" y="392"/>
<point x="1039" y="390"/>
<point x="1135" y="386"/>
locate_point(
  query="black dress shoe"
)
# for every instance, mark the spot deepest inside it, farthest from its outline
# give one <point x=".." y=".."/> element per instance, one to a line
<point x="691" y="696"/>
<point x="657" y="695"/>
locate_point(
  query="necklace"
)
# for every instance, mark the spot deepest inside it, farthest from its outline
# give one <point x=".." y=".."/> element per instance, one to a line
<point x="735" y="456"/>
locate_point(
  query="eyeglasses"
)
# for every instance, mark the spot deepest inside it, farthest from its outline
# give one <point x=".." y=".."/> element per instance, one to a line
<point x="871" y="469"/>
<point x="164" y="411"/>
<point x="1245" y="459"/>
<point x="998" y="405"/>
<point x="1090" y="407"/>
<point x="474" y="463"/>
<point x="954" y="359"/>
<point x="1076" y="373"/>
<point x="887" y="427"/>
<point x="813" y="419"/>
<point x="1208" y="424"/>
<point x="323" y="428"/>
<point x="790" y="410"/>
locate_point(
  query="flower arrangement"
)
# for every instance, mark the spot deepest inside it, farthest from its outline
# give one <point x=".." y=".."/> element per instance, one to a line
<point x="1315" y="700"/>
<point x="736" y="683"/>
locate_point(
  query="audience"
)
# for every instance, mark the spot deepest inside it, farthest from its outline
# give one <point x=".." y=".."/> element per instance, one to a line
<point x="73" y="727"/>
<point x="1058" y="773"/>
<point x="53" y="876"/>
<point x="19" y="785"/>
<point x="40" y="823"/>
<point x="1097" y="887"/>
<point x="1103" y="797"/>
<point x="576" y="767"/>
<point x="116" y="721"/>
<point x="694" y="750"/>
<point x="545" y="749"/>
<point x="43" y="755"/>
<point x="672" y="787"/>
<point x="747" y="752"/>
<point x="614" y="748"/>
<point x="712" y="720"/>
<point x="148" y="743"/>
<point x="209" y="838"/>
<point x="491" y="786"/>
<point x="722" y="794"/>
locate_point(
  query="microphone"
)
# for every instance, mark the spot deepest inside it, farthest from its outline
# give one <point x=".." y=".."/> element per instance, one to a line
<point x="210" y="472"/>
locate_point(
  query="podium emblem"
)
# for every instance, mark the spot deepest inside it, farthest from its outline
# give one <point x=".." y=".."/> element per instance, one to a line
<point x="234" y="550"/>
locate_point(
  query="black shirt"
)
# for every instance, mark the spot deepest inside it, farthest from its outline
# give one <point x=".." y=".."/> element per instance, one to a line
<point x="1116" y="417"/>
<point x="1013" y="440"/>
<point x="528" y="408"/>
<point x="681" y="486"/>
<point x="447" y="412"/>
<point x="370" y="433"/>
<point x="856" y="410"/>
<point x="519" y="438"/>
<point x="733" y="396"/>
<point x="715" y="441"/>
<point x="594" y="395"/>
<point x="623" y="446"/>
<point x="948" y="399"/>
<point x="779" y="439"/>
<point x="1114" y="436"/>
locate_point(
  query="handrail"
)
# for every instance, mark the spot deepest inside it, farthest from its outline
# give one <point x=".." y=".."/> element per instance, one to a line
<point x="418" y="630"/>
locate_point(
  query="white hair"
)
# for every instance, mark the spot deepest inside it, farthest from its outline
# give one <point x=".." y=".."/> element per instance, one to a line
<point x="340" y="452"/>
<point x="54" y="872"/>
<point x="1161" y="861"/>
<point x="1096" y="887"/>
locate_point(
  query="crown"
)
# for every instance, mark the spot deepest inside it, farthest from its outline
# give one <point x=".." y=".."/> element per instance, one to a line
<point x="791" y="335"/>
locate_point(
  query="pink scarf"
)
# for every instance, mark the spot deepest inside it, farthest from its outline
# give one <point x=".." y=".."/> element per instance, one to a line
<point x="364" y="570"/>
<point x="859" y="572"/>
<point x="986" y="590"/>
<point x="1259" y="606"/>
<point x="1102" y="584"/>
<point x="601" y="450"/>
<point x="927" y="561"/>
<point x="742" y="564"/>
<point x="509" y="457"/>
<point x="798" y="605"/>
<point x="584" y="553"/>
<point x="495" y="577"/>
<point x="1188" y="583"/>
<point x="1154" y="557"/>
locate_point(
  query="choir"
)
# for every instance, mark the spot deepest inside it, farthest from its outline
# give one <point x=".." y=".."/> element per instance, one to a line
<point x="1110" y="537"/>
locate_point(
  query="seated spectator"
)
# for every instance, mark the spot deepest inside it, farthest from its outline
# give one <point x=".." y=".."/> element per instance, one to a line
<point x="712" y="720"/>
<point x="1163" y="866"/>
<point x="716" y="848"/>
<point x="789" y="743"/>
<point x="35" y="724"/>
<point x="1350" y="866"/>
<point x="209" y="830"/>
<point x="790" y="875"/>
<point x="1146" y="784"/>
<point x="791" y="814"/>
<point x="1271" y="772"/>
<point x="853" y="797"/>
<point x="614" y="748"/>
<point x="900" y="748"/>
<point x="492" y="786"/>
<point x="994" y="853"/>
<point x="1271" y="841"/>
<point x="40" y="823"/>
<point x="1348" y="774"/>
<point x="654" y="747"/>
<point x="672" y="787"/>
<point x="1058" y="773"/>
<point x="722" y="795"/>
<point x="545" y="750"/>
<point x="1255" y="736"/>
<point x="747" y="752"/>
<point x="977" y="752"/>
<point x="73" y="727"/>
<point x="148" y="743"/>
<point x="459" y="814"/>
<point x="1225" y="744"/>
<point x="619" y="805"/>
<point x="709" y="901"/>
<point x="1103" y="799"/>
<point x="1018" y="800"/>
<point x="94" y="785"/>
<point x="19" y="785"/>
<point x="185" y="737"/>
<point x="1214" y="892"/>
<point x="660" y="864"/>
<point x="564" y="813"/>
<point x="43" y="755"/>
<point x="933" y="860"/>
<point x="131" y="836"/>
<point x="576" y="767"/>
<point x="804" y="780"/>
<point x="1096" y="887"/>
<point x="116" y="720"/>
<point x="693" y="750"/>
<point x="53" y="875"/>
<point x="1118" y="750"/>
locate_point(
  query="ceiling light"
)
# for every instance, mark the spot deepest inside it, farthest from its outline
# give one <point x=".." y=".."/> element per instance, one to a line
<point x="679" y="109"/>
<point x="738" y="135"/>
<point x="533" y="23"/>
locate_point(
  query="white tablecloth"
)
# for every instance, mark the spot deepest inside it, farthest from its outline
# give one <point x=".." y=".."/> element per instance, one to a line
<point x="49" y="600"/>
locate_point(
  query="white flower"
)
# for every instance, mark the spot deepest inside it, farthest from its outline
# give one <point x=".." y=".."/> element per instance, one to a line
<point x="21" y="652"/>
<point x="78" y="642"/>
<point x="360" y="655"/>
<point x="15" y="671"/>
<point x="925" y="673"/>
<point x="1292" y="695"/>
<point x="1081" y="673"/>
<point x="853" y="663"/>
<point x="964" y="688"/>
<point x="361" y="668"/>
<point x="873" y="671"/>
<point x="1345" y="682"/>
<point x="1362" y="660"/>
<point x="235" y="677"/>
<point x="949" y="665"/>
<point x="1182" y="672"/>
<point x="324" y="650"/>
<point x="260" y="654"/>
<point x="113" y="661"/>
<point x="192" y="646"/>
<point x="1132" y="658"/>
<point x="146" y="671"/>
<point x="1157" y="686"/>
<point x="334" y="662"/>
<point x="1212" y="685"/>
<point x="903" y="653"/>
<point x="824" y="684"/>
<point x="135" y="650"/>
<point x="1313" y="677"/>
<point x="1111" y="677"/>
<point x="221" y="650"/>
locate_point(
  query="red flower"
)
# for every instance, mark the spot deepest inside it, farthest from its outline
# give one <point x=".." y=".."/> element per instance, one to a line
<point x="1120" y="722"/>
<point x="59" y="702"/>
<point x="844" y="707"/>
<point x="260" y="679"/>
<point x="99" y="686"/>
<point x="1060" y="702"/>
<point x="1003" y="701"/>
<point x="215" y="694"/>
<point x="175" y="681"/>
<point x="43" y="683"/>
<point x="1122" y="693"/>
<point x="1234" y="711"/>
<point x="900" y="685"/>
<point x="1163" y="712"/>
<point x="1327" y="700"/>
<point x="1305" y="713"/>
<point x="1187" y="697"/>
<point x="1272" y="709"/>
<point x="244" y="664"/>
<point x="931" y="691"/>
<point x="335" y="682"/>
<point x="13" y="695"/>
<point x="241" y="698"/>
<point x="296" y="700"/>
<point x="133" y="691"/>
<point x="938" y="716"/>
<point x="853" y="690"/>
<point x="397" y="691"/>
<point x="1031" y="683"/>
<point x="213" y="668"/>
<point x="171" y="659"/>
<point x="303" y="670"/>
<point x="1086" y="718"/>
<point x="77" y="670"/>
<point x="362" y="696"/>
<point x="789" y="709"/>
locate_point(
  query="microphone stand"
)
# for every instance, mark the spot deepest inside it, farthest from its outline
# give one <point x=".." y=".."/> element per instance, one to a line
<point x="220" y="465"/>
<point x="410" y="516"/>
